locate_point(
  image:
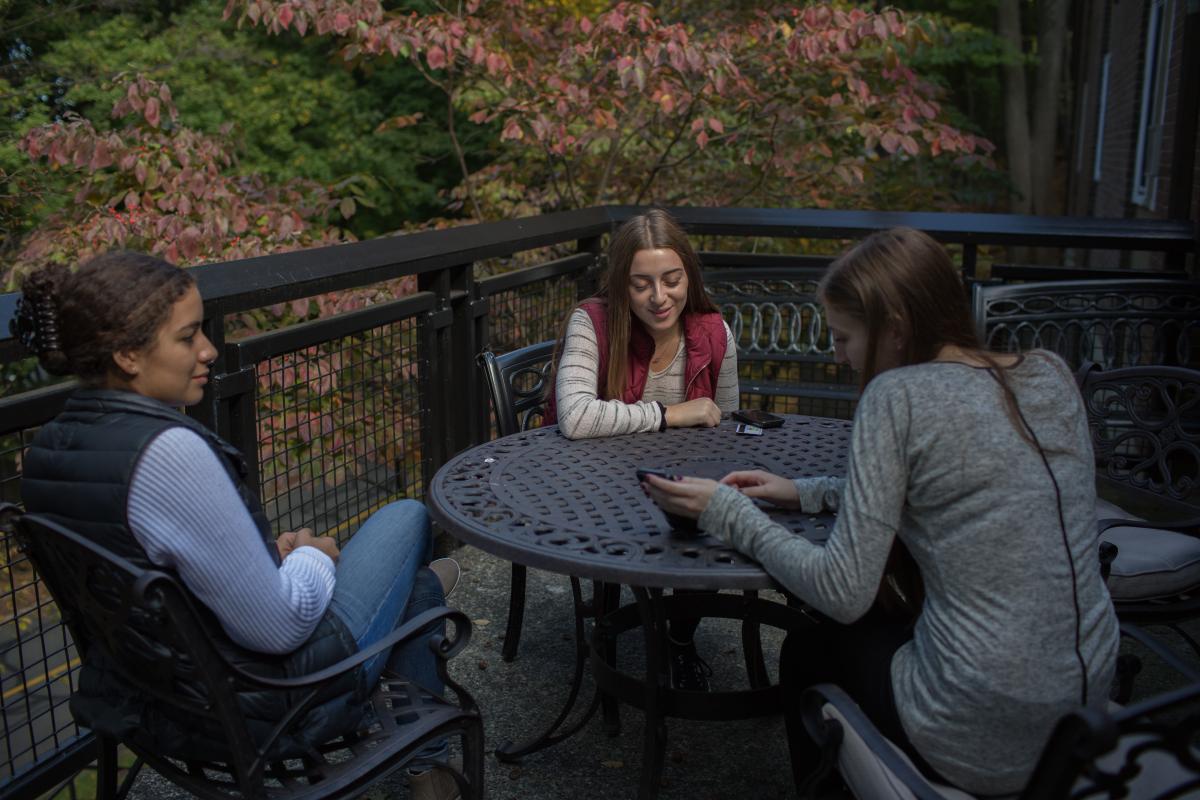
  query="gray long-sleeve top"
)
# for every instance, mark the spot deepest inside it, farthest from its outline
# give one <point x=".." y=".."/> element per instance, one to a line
<point x="935" y="460"/>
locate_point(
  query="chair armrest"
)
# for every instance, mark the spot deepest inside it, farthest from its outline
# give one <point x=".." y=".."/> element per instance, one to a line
<point x="1161" y="650"/>
<point x="443" y="647"/>
<point x="1191" y="527"/>
<point x="815" y="697"/>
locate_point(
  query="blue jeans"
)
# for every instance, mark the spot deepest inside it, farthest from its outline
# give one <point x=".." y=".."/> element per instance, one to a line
<point x="382" y="582"/>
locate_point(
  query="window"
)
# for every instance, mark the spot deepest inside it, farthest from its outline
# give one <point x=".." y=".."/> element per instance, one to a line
<point x="1147" y="160"/>
<point x="1102" y="105"/>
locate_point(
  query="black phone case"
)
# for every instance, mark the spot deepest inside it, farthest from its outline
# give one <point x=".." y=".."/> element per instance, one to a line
<point x="749" y="420"/>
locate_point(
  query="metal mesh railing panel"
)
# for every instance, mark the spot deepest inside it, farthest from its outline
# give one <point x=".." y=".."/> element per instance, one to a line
<point x="339" y="429"/>
<point x="531" y="313"/>
<point x="38" y="662"/>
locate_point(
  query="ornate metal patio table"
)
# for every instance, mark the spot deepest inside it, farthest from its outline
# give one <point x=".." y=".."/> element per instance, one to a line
<point x="576" y="508"/>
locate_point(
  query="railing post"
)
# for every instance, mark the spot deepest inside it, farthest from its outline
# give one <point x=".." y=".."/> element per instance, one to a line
<point x="433" y="333"/>
<point x="589" y="284"/>
<point x="970" y="267"/>
<point x="479" y="306"/>
<point x="453" y="381"/>
<point x="208" y="411"/>
<point x="236" y="390"/>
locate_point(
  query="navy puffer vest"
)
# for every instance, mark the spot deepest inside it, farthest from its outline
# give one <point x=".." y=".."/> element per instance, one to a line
<point x="77" y="472"/>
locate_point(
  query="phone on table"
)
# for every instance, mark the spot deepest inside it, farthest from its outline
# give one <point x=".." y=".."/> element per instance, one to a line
<point x="754" y="416"/>
<point x="677" y="522"/>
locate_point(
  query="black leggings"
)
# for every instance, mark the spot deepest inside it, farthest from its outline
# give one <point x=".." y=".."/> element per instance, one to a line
<point x="857" y="658"/>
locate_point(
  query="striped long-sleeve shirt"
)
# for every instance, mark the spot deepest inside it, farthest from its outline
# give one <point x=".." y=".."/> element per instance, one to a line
<point x="187" y="515"/>
<point x="583" y="414"/>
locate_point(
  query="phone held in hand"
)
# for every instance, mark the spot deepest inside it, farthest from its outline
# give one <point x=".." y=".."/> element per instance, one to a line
<point x="642" y="472"/>
<point x="680" y="524"/>
<point x="761" y="419"/>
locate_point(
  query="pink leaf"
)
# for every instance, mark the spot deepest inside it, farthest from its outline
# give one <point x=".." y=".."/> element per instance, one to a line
<point x="512" y="130"/>
<point x="151" y="112"/>
<point x="285" y="16"/>
<point x="101" y="156"/>
<point x="436" y="57"/>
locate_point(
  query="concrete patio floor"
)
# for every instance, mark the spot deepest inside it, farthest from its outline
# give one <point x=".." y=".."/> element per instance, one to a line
<point x="705" y="760"/>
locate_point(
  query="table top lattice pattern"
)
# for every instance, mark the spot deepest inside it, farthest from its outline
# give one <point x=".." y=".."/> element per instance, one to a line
<point x="575" y="507"/>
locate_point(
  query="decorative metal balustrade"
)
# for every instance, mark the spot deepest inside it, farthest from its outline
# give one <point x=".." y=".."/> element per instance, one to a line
<point x="341" y="414"/>
<point x="1123" y="324"/>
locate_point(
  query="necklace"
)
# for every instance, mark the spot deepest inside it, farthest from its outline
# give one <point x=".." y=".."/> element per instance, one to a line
<point x="665" y="355"/>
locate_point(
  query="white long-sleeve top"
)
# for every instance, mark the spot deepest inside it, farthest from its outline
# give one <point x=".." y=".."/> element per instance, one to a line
<point x="187" y="515"/>
<point x="583" y="414"/>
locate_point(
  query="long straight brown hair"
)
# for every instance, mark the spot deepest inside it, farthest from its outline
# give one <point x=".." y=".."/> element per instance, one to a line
<point x="903" y="278"/>
<point x="654" y="230"/>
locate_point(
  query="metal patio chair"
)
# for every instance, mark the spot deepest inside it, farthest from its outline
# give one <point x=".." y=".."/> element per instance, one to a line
<point x="518" y="383"/>
<point x="1115" y="323"/>
<point x="1145" y="427"/>
<point x="145" y="626"/>
<point x="1143" y="750"/>
<point x="785" y="353"/>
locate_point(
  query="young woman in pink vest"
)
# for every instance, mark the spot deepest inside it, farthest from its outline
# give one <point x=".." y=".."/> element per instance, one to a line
<point x="648" y="352"/>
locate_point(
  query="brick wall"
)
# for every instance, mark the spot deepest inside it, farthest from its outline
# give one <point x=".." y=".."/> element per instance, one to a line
<point x="1119" y="27"/>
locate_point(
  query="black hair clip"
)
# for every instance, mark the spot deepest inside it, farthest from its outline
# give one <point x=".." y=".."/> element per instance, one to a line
<point x="35" y="325"/>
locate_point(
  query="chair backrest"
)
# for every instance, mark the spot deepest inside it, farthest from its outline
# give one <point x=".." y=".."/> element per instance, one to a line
<point x="1115" y="323"/>
<point x="1144" y="750"/>
<point x="518" y="383"/>
<point x="143" y="624"/>
<point x="783" y="344"/>
<point x="1145" y="427"/>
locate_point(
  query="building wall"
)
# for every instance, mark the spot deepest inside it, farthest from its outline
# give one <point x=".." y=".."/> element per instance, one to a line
<point x="1119" y="28"/>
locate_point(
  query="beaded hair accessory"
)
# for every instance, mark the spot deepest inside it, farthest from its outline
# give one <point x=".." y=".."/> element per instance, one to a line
<point x="35" y="324"/>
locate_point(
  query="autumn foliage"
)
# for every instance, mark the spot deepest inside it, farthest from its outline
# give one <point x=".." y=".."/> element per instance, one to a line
<point x="157" y="186"/>
<point x="793" y="106"/>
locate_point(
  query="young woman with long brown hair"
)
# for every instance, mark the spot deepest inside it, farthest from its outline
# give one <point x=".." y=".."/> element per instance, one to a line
<point x="649" y="352"/>
<point x="981" y="464"/>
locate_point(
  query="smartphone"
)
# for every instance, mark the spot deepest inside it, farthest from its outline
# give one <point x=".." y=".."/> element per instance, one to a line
<point x="753" y="416"/>
<point x="681" y="524"/>
<point x="642" y="472"/>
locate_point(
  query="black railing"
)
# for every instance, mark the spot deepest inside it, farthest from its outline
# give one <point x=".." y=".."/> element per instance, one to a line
<point x="341" y="414"/>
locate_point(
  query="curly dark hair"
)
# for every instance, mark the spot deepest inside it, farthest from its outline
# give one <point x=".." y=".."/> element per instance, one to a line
<point x="116" y="302"/>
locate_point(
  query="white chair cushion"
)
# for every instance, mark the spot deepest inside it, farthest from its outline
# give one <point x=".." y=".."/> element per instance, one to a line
<point x="869" y="779"/>
<point x="1150" y="562"/>
<point x="1160" y="772"/>
<point x="867" y="776"/>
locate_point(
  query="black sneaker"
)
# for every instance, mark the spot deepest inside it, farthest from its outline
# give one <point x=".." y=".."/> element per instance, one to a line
<point x="689" y="671"/>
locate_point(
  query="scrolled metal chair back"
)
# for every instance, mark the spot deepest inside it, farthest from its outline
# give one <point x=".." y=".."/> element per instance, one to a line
<point x="518" y="382"/>
<point x="1118" y="323"/>
<point x="1145" y="749"/>
<point x="772" y="312"/>
<point x="140" y="622"/>
<point x="1145" y="427"/>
